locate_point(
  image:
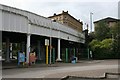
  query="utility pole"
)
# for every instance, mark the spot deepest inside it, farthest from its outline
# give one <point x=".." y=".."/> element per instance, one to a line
<point x="50" y="42"/>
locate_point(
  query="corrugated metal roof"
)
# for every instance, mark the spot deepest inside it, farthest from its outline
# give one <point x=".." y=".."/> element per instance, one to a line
<point x="41" y="21"/>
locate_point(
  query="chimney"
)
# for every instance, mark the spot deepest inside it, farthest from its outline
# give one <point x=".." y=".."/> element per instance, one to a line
<point x="54" y="14"/>
<point x="87" y="26"/>
<point x="63" y="11"/>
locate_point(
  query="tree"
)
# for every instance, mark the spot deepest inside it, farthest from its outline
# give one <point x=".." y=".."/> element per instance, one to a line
<point x="102" y="31"/>
<point x="102" y="49"/>
<point x="115" y="31"/>
<point x="107" y="41"/>
<point x="91" y="36"/>
<point x="94" y="44"/>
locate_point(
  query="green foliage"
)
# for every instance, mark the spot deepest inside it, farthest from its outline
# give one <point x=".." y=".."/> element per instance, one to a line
<point x="102" y="31"/>
<point x="115" y="30"/>
<point x="94" y="44"/>
<point x="116" y="36"/>
<point x="102" y="49"/>
<point x="107" y="41"/>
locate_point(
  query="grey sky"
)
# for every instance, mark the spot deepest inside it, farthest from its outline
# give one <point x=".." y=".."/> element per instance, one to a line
<point x="80" y="9"/>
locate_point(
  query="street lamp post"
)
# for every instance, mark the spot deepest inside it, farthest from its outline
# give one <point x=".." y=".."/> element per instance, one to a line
<point x="50" y="47"/>
<point x="50" y="42"/>
<point x="51" y="39"/>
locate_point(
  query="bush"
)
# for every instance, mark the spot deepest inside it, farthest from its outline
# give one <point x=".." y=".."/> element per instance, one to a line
<point x="102" y="49"/>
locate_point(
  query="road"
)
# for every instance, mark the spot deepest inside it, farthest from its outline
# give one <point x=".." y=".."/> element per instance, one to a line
<point x="90" y="68"/>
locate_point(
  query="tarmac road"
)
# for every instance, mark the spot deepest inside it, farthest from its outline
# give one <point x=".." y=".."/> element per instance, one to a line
<point x="88" y="68"/>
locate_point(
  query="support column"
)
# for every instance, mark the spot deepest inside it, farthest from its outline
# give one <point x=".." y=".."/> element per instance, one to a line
<point x="38" y="46"/>
<point x="7" y="50"/>
<point x="58" y="59"/>
<point x="28" y="47"/>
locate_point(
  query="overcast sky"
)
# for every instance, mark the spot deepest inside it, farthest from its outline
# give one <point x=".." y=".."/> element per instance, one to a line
<point x="80" y="9"/>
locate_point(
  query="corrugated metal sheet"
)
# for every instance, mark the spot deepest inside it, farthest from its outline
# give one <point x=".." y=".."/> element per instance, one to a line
<point x="0" y="20"/>
<point x="14" y="22"/>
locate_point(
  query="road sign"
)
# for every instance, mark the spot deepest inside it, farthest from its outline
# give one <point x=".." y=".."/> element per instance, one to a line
<point x="47" y="42"/>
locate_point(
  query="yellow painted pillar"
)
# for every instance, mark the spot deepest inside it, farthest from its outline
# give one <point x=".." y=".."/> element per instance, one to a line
<point x="46" y="54"/>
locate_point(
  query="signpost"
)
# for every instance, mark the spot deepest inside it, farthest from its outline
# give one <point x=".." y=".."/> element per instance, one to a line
<point x="46" y="44"/>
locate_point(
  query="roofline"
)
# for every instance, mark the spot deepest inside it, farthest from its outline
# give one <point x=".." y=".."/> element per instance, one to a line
<point x="106" y="18"/>
<point x="24" y="10"/>
<point x="64" y="14"/>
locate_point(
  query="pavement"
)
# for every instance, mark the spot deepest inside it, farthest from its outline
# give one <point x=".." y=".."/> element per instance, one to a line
<point x="93" y="68"/>
<point x="57" y="64"/>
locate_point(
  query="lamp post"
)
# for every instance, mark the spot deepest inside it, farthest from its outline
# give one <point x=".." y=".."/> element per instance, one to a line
<point x="50" y="46"/>
<point x="91" y="21"/>
<point x="50" y="43"/>
<point x="51" y="38"/>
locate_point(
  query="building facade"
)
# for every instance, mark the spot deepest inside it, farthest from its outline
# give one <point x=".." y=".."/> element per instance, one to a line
<point x="111" y="22"/>
<point x="67" y="19"/>
<point x="24" y="31"/>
